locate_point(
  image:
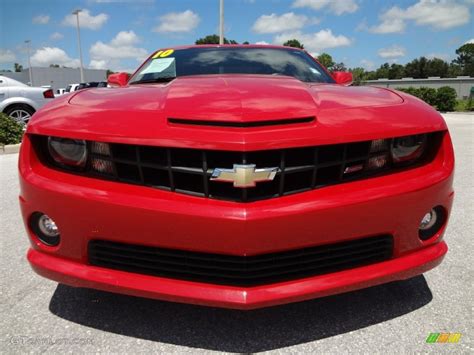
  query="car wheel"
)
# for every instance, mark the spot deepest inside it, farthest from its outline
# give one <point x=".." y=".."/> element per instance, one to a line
<point x="20" y="113"/>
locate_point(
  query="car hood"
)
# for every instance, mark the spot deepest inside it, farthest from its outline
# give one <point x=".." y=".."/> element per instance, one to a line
<point x="236" y="98"/>
<point x="140" y="114"/>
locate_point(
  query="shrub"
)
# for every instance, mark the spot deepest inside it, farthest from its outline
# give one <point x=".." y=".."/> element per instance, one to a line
<point x="446" y="99"/>
<point x="411" y="91"/>
<point x="428" y="95"/>
<point x="11" y="131"/>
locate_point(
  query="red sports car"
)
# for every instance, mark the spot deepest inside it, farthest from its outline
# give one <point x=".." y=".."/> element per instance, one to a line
<point x="235" y="176"/>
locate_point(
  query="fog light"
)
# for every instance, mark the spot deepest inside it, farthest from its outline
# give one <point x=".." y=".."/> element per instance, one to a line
<point x="45" y="228"/>
<point x="432" y="222"/>
<point x="428" y="220"/>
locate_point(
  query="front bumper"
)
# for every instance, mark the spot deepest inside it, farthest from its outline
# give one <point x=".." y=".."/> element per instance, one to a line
<point x="80" y="275"/>
<point x="86" y="209"/>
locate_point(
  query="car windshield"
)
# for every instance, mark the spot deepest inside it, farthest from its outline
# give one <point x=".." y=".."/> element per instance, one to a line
<point x="165" y="65"/>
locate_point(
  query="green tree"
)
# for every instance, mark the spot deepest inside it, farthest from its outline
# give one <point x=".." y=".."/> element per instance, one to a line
<point x="18" y="67"/>
<point x="383" y="71"/>
<point x="359" y="75"/>
<point x="465" y="58"/>
<point x="416" y="68"/>
<point x="293" y="43"/>
<point x="454" y="70"/>
<point x="54" y="66"/>
<point x="436" y="67"/>
<point x="339" y="67"/>
<point x="396" y="71"/>
<point x="109" y="72"/>
<point x="326" y="60"/>
<point x="214" y="39"/>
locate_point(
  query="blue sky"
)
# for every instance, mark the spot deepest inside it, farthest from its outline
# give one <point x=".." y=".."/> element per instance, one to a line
<point x="119" y="34"/>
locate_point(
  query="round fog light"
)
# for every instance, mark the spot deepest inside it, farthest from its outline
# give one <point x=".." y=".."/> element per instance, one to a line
<point x="428" y="220"/>
<point x="45" y="228"/>
<point x="432" y="222"/>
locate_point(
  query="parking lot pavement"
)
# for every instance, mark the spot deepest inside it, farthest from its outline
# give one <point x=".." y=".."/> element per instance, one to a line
<point x="39" y="315"/>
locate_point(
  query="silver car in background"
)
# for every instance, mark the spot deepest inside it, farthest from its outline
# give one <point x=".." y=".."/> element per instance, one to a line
<point x="20" y="101"/>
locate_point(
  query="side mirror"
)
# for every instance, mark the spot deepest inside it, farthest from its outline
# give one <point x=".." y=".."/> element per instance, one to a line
<point x="118" y="79"/>
<point x="342" y="77"/>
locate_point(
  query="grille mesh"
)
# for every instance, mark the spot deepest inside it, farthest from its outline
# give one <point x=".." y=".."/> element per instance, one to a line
<point x="188" y="171"/>
<point x="240" y="270"/>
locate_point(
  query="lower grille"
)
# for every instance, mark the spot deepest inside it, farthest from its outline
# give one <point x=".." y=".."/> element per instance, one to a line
<point x="240" y="270"/>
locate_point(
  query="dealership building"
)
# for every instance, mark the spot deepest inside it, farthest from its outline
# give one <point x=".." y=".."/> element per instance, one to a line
<point x="56" y="77"/>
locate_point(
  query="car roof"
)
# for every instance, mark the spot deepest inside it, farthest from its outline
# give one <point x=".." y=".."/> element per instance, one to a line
<point x="11" y="81"/>
<point x="269" y="46"/>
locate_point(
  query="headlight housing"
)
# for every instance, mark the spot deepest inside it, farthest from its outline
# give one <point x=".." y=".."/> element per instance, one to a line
<point x="68" y="152"/>
<point x="408" y="148"/>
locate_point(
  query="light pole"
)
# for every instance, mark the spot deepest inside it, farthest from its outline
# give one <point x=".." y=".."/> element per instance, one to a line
<point x="76" y="12"/>
<point x="29" y="62"/>
<point x="221" y="22"/>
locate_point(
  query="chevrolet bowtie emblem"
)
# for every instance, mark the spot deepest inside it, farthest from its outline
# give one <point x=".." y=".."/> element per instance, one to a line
<point x="244" y="175"/>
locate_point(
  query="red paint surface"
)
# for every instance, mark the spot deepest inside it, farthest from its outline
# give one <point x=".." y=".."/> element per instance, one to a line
<point x="86" y="208"/>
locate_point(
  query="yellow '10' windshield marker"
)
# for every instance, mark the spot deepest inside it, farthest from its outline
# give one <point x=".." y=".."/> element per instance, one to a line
<point x="163" y="54"/>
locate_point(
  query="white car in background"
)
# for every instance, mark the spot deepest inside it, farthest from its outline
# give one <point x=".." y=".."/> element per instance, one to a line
<point x="72" y="87"/>
<point x="20" y="101"/>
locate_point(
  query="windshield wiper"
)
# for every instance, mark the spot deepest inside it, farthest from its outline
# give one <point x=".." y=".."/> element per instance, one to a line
<point x="165" y="79"/>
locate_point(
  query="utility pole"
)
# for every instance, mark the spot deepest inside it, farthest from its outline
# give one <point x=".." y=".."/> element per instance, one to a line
<point x="76" y="12"/>
<point x="29" y="62"/>
<point x="221" y="22"/>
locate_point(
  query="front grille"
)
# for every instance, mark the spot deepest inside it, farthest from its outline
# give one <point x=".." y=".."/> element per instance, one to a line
<point x="240" y="270"/>
<point x="189" y="171"/>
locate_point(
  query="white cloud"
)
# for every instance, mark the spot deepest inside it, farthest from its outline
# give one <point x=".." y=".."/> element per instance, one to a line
<point x="122" y="46"/>
<point x="86" y="20"/>
<point x="41" y="19"/>
<point x="439" y="14"/>
<point x="392" y="52"/>
<point x="262" y="42"/>
<point x="391" y="22"/>
<point x="45" y="56"/>
<point x="277" y="24"/>
<point x="6" y="56"/>
<point x="184" y="21"/>
<point x="337" y="7"/>
<point x="315" y="42"/>
<point x="56" y="36"/>
<point x="470" y="41"/>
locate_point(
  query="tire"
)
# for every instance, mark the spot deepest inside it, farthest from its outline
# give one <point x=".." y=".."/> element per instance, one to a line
<point x="20" y="112"/>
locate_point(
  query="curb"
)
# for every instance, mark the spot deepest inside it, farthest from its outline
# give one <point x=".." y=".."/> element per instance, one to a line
<point x="470" y="113"/>
<point x="10" y="149"/>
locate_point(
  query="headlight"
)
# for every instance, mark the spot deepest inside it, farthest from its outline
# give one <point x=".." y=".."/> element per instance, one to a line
<point x="68" y="152"/>
<point x="409" y="148"/>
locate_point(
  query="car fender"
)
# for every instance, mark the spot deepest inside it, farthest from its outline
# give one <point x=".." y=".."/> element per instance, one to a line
<point x="19" y="100"/>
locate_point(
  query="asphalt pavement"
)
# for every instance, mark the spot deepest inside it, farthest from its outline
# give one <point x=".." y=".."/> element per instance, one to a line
<point x="38" y="315"/>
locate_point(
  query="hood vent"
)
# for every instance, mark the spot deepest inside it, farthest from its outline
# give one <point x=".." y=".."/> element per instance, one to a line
<point x="285" y="121"/>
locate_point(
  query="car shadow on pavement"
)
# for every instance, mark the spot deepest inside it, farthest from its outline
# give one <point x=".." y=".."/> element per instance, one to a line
<point x="239" y="331"/>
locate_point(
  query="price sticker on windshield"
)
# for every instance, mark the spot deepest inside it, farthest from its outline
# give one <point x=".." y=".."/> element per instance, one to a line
<point x="163" y="54"/>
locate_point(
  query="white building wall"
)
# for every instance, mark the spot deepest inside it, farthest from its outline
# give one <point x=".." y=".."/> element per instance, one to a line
<point x="462" y="84"/>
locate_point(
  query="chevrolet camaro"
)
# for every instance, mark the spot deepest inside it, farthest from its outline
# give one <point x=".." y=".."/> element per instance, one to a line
<point x="235" y="176"/>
